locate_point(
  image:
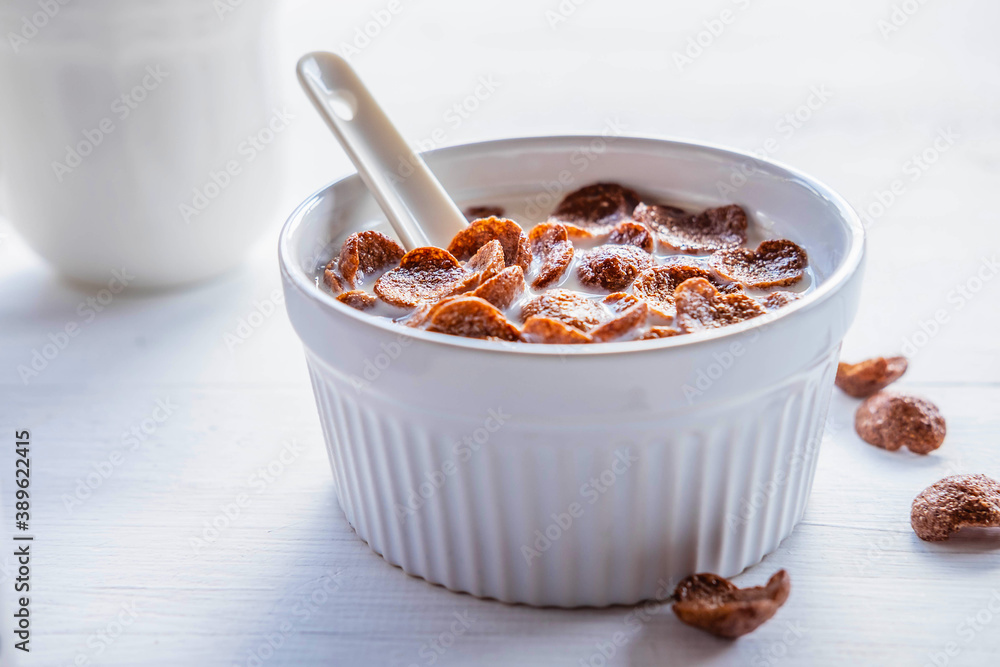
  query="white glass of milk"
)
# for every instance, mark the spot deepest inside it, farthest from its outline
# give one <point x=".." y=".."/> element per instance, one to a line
<point x="139" y="135"/>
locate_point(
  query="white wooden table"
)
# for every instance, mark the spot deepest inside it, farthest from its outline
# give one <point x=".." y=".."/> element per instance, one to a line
<point x="184" y="423"/>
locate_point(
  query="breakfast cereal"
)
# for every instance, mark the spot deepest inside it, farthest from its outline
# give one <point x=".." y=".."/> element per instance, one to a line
<point x="604" y="266"/>
<point x="716" y="605"/>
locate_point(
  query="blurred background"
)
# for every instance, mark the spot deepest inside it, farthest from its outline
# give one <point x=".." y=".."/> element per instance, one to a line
<point x="858" y="94"/>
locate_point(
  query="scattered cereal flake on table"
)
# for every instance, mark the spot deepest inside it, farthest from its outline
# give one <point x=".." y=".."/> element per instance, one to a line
<point x="700" y="306"/>
<point x="595" y="209"/>
<point x="550" y="245"/>
<point x="954" y="503"/>
<point x="484" y="211"/>
<point x="471" y="317"/>
<point x="630" y="232"/>
<point x="553" y="332"/>
<point x="890" y="421"/>
<point x="612" y="267"/>
<point x="504" y="288"/>
<point x="864" y="378"/>
<point x="716" y="605"/>
<point x="774" y="263"/>
<point x="711" y="230"/>
<point x="359" y="299"/>
<point x="480" y="232"/>
<point x="568" y="307"/>
<point x="656" y="285"/>
<point x="623" y="327"/>
<point x="424" y="274"/>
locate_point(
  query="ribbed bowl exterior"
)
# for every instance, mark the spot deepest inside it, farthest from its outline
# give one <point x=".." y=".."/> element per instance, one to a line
<point x="713" y="491"/>
<point x="583" y="475"/>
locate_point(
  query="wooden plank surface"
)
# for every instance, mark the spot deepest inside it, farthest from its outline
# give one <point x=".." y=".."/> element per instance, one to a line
<point x="285" y="581"/>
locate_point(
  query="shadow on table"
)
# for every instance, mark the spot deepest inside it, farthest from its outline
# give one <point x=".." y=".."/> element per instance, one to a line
<point x="967" y="541"/>
<point x="338" y="602"/>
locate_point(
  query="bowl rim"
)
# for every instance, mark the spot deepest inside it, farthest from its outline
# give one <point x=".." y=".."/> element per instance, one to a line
<point x="840" y="276"/>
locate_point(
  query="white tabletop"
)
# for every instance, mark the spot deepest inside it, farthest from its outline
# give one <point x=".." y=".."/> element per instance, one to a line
<point x="119" y="576"/>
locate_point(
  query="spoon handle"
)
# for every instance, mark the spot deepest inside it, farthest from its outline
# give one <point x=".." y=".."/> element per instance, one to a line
<point x="419" y="209"/>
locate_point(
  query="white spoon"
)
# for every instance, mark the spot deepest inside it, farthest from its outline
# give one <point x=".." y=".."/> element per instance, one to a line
<point x="416" y="205"/>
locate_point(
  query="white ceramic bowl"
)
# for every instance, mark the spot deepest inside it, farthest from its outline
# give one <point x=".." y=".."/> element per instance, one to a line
<point x="578" y="475"/>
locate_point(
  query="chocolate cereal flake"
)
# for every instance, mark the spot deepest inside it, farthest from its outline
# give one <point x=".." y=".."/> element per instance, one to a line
<point x="773" y="263"/>
<point x="656" y="286"/>
<point x="485" y="211"/>
<point x="623" y="327"/>
<point x="732" y="288"/>
<point x="471" y="317"/>
<point x="424" y="274"/>
<point x="716" y="605"/>
<point x="713" y="229"/>
<point x="359" y="299"/>
<point x="661" y="332"/>
<point x="596" y="208"/>
<point x="612" y="267"/>
<point x="568" y="307"/>
<point x="502" y="289"/>
<point x="864" y="378"/>
<point x="954" y="503"/>
<point x="367" y="252"/>
<point x="890" y="421"/>
<point x="487" y="262"/>
<point x="332" y="280"/>
<point x="700" y="306"/>
<point x="629" y="232"/>
<point x="551" y="246"/>
<point x="619" y="302"/>
<point x="549" y="331"/>
<point x="362" y="253"/>
<point x="480" y="232"/>
<point x="776" y="300"/>
<point x="419" y="317"/>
